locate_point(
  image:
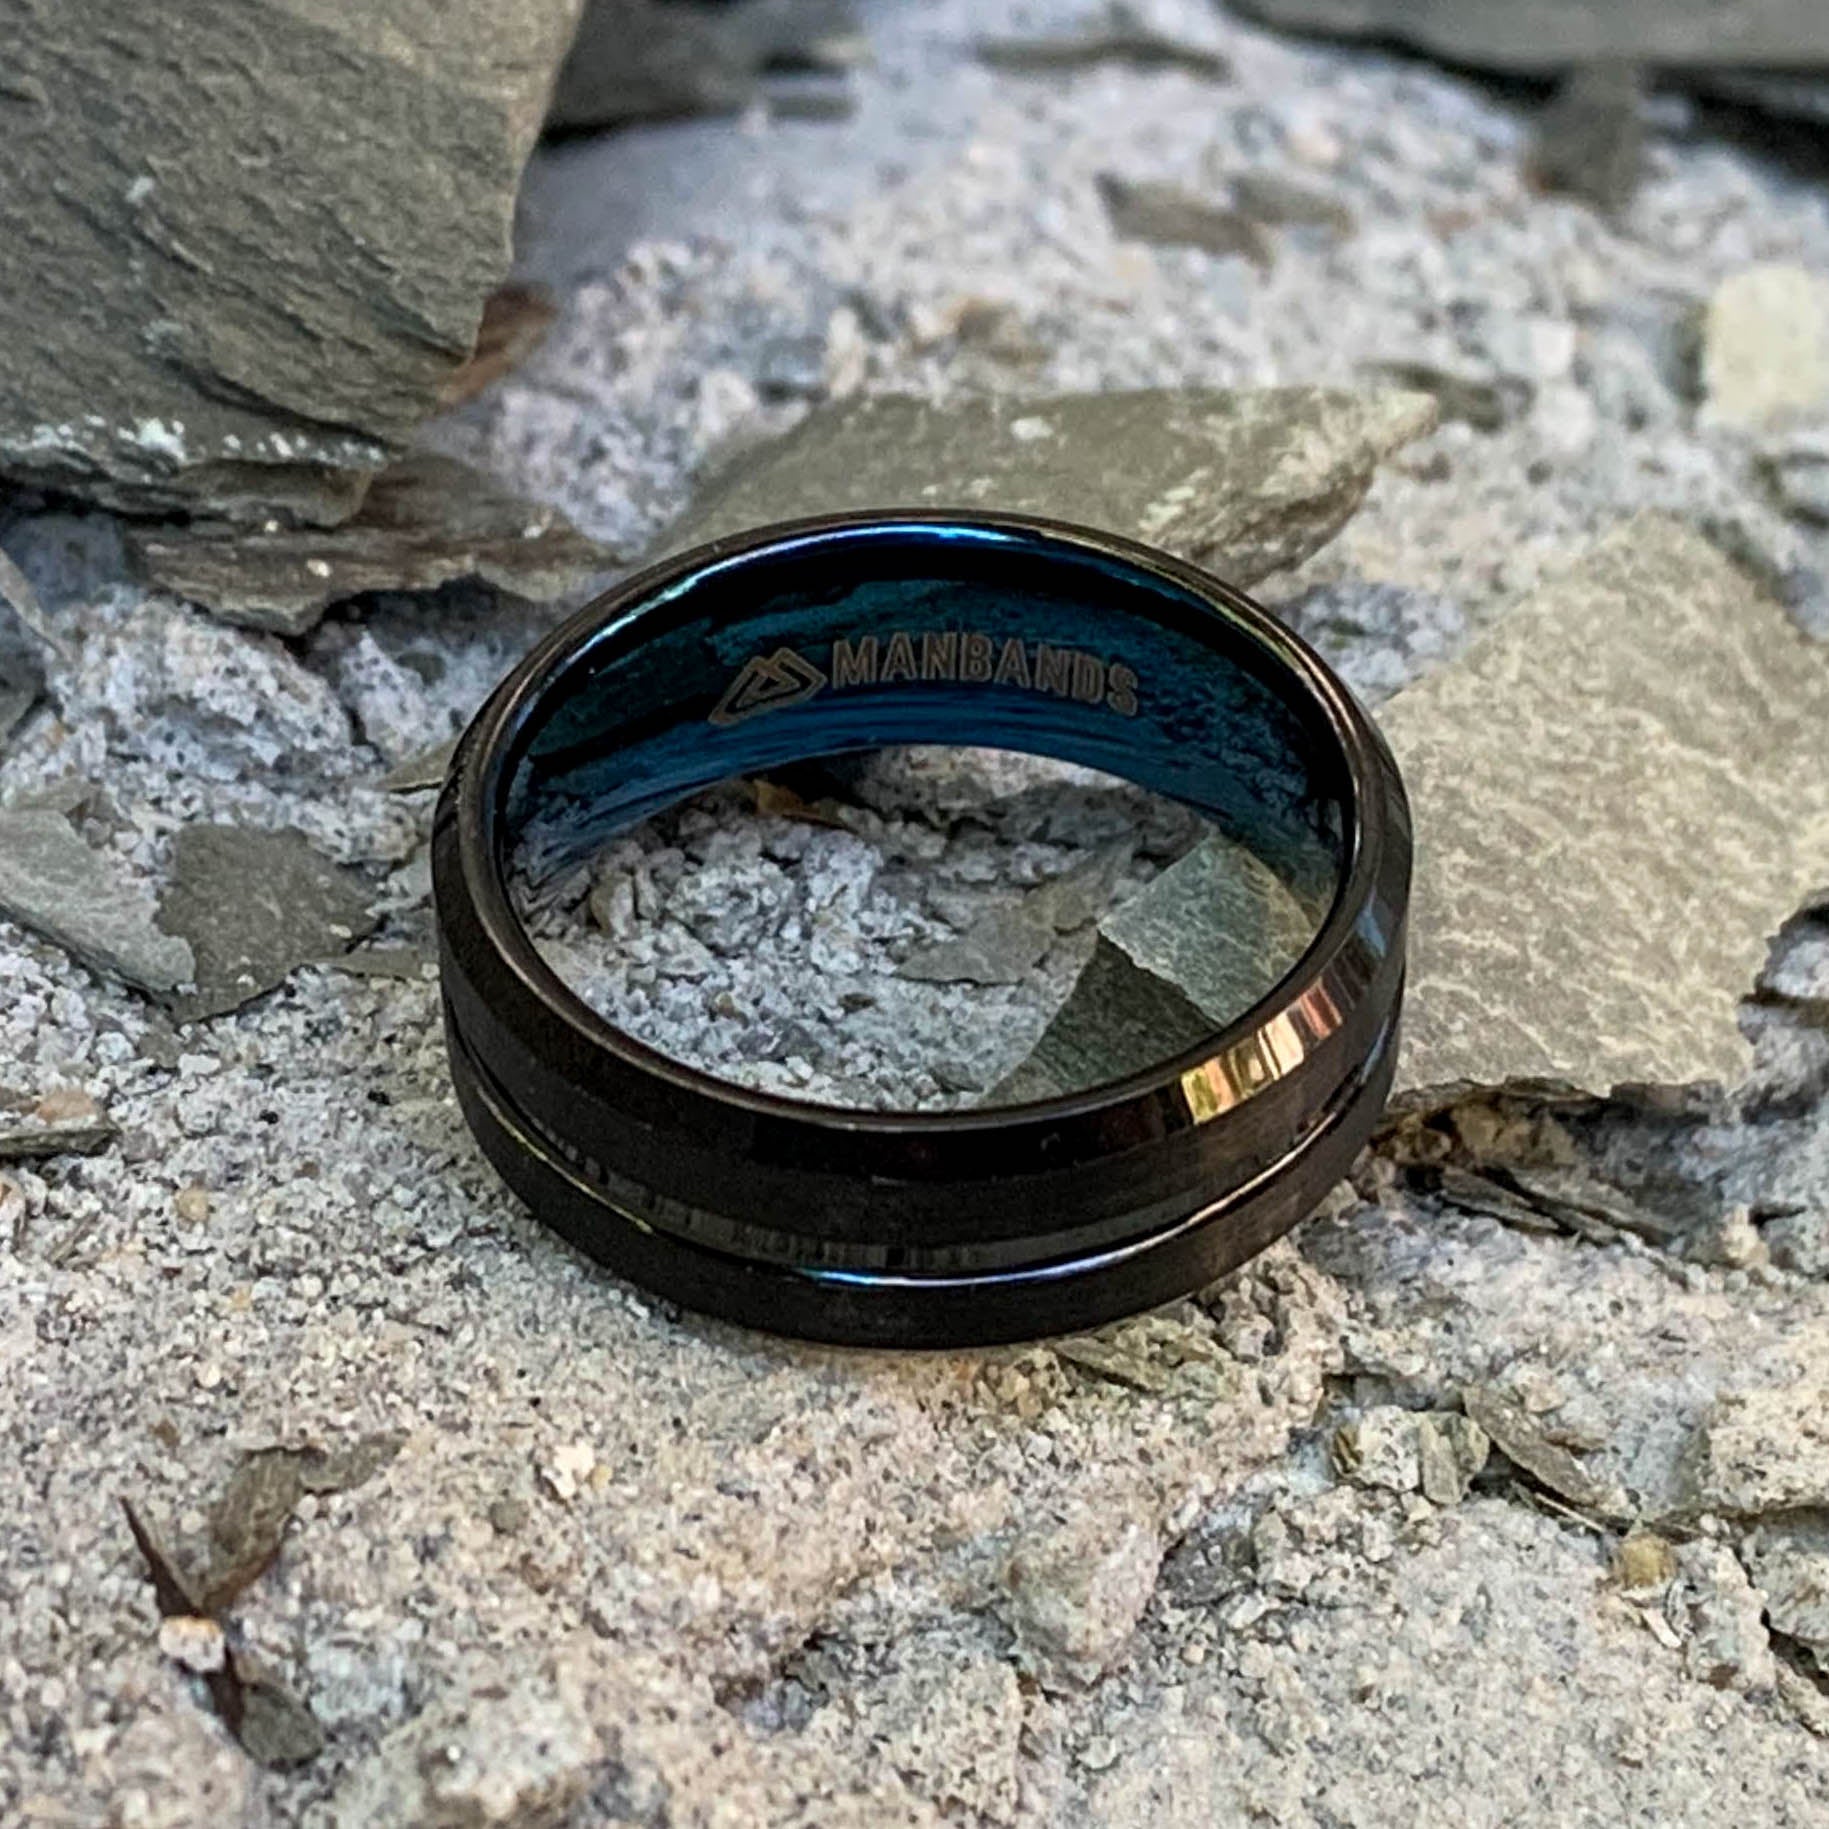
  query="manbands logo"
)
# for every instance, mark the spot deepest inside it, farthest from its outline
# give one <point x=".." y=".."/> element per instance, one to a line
<point x="773" y="682"/>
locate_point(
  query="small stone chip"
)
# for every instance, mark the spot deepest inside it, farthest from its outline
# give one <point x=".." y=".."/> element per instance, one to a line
<point x="254" y="905"/>
<point x="1644" y="1561"/>
<point x="1523" y="1440"/>
<point x="197" y="1644"/>
<point x="567" y="1468"/>
<point x="1150" y="209"/>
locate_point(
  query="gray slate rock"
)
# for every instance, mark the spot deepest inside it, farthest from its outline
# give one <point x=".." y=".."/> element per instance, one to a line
<point x="254" y="906"/>
<point x="1269" y="197"/>
<point x="1548" y="35"/>
<point x="427" y="521"/>
<point x="1171" y="216"/>
<point x="1178" y="960"/>
<point x="249" y="240"/>
<point x="1794" y="98"/>
<point x="639" y="60"/>
<point x="1121" y="37"/>
<point x="1590" y="139"/>
<point x="1618" y="794"/>
<point x="25" y="1141"/>
<point x="1247" y="483"/>
<point x="1524" y="1441"/>
<point x="53" y="883"/>
<point x="1487" y="405"/>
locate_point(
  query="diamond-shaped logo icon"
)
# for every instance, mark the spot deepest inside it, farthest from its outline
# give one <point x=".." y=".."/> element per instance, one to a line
<point x="768" y="682"/>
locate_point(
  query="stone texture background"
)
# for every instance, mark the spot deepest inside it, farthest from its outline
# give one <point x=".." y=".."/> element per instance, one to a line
<point x="1495" y="1493"/>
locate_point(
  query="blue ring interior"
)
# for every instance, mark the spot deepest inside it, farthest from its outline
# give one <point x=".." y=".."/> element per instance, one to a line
<point x="747" y="662"/>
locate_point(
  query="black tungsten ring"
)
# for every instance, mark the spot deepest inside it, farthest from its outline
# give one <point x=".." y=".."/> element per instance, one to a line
<point x="913" y="1229"/>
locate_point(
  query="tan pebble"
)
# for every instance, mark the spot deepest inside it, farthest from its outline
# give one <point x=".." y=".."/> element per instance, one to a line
<point x="67" y="1105"/>
<point x="192" y="1204"/>
<point x="1644" y="1560"/>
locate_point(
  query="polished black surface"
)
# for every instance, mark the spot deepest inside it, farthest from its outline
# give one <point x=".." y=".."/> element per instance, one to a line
<point x="914" y="1228"/>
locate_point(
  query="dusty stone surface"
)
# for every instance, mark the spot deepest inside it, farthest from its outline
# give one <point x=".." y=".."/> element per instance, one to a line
<point x="1646" y="720"/>
<point x="253" y="906"/>
<point x="1248" y="483"/>
<point x="1555" y="34"/>
<point x="425" y="522"/>
<point x="780" y="1587"/>
<point x="55" y="883"/>
<point x="248" y="244"/>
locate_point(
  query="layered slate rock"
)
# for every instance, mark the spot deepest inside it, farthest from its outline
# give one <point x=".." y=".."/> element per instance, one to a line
<point x="427" y="521"/>
<point x="1543" y="35"/>
<point x="642" y="59"/>
<point x="78" y="897"/>
<point x="1247" y="483"/>
<point x="248" y="241"/>
<point x="1619" y="794"/>
<point x="253" y="906"/>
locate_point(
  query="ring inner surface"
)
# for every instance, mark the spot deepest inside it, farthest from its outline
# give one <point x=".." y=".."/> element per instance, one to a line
<point x="923" y="635"/>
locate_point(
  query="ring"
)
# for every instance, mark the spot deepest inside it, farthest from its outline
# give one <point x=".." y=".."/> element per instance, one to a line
<point x="848" y="633"/>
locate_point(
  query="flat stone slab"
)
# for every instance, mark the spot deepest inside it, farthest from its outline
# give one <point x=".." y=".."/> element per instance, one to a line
<point x="74" y="895"/>
<point x="249" y="240"/>
<point x="1619" y="795"/>
<point x="254" y="906"/>
<point x="1247" y="483"/>
<point x="427" y="521"/>
<point x="1529" y="35"/>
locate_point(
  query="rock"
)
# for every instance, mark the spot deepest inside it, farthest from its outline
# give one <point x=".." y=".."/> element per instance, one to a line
<point x="1551" y="35"/>
<point x="425" y="770"/>
<point x="249" y="1518"/>
<point x="1075" y="1592"/>
<point x="1438" y="1453"/>
<point x="1150" y="209"/>
<point x="425" y="522"/>
<point x="1618" y="794"/>
<point x="24" y="636"/>
<point x="1728" y="1646"/>
<point x="1644" y="1562"/>
<point x="1788" y="1561"/>
<point x="1590" y="139"/>
<point x="276" y="1728"/>
<point x="249" y="244"/>
<point x="255" y="905"/>
<point x="64" y="1123"/>
<point x="642" y="59"/>
<point x="1002" y="945"/>
<point x="1765" y="348"/>
<point x="1288" y="203"/>
<point x="1123" y="36"/>
<point x="1791" y="98"/>
<point x="1247" y="483"/>
<point x="197" y="1644"/>
<point x="517" y="1752"/>
<point x="999" y="948"/>
<point x="1175" y="962"/>
<point x="516" y="318"/>
<point x="1762" y="1451"/>
<point x="55" y="884"/>
<point x="1798" y="466"/>
<point x="1526" y="1443"/>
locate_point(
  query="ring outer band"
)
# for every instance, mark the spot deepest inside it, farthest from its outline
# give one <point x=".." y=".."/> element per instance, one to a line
<point x="916" y="1229"/>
